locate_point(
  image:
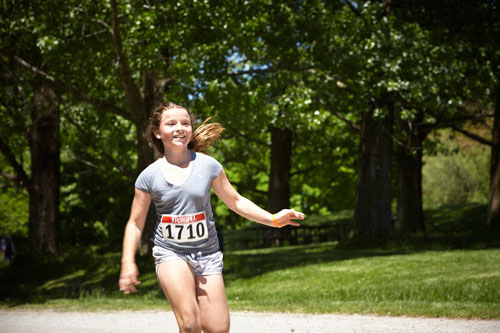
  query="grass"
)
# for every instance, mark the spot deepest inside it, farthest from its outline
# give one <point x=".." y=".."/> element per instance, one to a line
<point x="452" y="283"/>
<point x="453" y="271"/>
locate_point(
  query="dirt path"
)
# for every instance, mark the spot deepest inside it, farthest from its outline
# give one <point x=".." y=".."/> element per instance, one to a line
<point x="25" y="321"/>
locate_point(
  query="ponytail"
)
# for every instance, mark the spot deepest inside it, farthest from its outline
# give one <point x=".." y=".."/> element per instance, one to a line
<point x="205" y="136"/>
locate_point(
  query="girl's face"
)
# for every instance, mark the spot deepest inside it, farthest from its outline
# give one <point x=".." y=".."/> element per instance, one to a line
<point x="175" y="129"/>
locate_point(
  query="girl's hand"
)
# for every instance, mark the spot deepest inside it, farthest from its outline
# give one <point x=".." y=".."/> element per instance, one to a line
<point x="128" y="278"/>
<point x="286" y="217"/>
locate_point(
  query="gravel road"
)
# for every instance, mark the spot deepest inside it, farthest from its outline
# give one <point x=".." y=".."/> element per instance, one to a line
<point x="13" y="321"/>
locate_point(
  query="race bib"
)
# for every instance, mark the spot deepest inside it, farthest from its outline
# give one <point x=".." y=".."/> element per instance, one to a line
<point x="184" y="228"/>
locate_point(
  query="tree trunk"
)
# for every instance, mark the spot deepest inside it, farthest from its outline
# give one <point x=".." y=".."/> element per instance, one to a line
<point x="146" y="155"/>
<point x="148" y="101"/>
<point x="278" y="195"/>
<point x="372" y="213"/>
<point x="409" y="212"/>
<point x="493" y="219"/>
<point x="279" y="177"/>
<point x="45" y="174"/>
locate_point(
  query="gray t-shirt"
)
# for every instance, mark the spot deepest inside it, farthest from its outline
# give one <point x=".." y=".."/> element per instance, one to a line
<point x="185" y="222"/>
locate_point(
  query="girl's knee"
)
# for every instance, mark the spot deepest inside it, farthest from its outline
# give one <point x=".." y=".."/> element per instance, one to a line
<point x="190" y="322"/>
<point x="190" y="326"/>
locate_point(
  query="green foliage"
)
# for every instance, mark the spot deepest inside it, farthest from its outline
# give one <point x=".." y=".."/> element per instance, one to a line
<point x="97" y="170"/>
<point x="454" y="176"/>
<point x="13" y="211"/>
<point x="294" y="65"/>
<point x="16" y="107"/>
<point x="268" y="82"/>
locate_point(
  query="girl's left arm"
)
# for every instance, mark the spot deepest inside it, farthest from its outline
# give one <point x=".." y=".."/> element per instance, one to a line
<point x="246" y="208"/>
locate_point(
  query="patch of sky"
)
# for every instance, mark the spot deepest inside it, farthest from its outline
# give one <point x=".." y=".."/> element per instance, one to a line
<point x="352" y="3"/>
<point x="241" y="64"/>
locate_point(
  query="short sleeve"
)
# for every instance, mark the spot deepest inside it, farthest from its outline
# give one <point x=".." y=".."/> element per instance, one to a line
<point x="217" y="168"/>
<point x="214" y="168"/>
<point x="143" y="182"/>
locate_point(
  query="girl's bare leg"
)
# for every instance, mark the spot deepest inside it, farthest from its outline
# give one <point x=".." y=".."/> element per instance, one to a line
<point x="212" y="302"/>
<point x="177" y="280"/>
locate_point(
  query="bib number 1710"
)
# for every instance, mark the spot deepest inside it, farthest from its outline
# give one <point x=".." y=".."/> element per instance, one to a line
<point x="184" y="228"/>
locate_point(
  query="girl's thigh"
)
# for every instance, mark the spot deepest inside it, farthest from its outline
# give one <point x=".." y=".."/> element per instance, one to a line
<point x="212" y="301"/>
<point x="177" y="279"/>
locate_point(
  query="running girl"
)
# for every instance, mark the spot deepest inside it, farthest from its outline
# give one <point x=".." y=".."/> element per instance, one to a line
<point x="186" y="249"/>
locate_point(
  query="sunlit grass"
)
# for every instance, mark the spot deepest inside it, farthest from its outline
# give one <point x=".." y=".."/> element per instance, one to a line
<point x="453" y="272"/>
<point x="449" y="283"/>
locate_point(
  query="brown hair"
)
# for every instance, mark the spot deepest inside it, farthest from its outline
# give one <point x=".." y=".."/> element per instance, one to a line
<point x="202" y="139"/>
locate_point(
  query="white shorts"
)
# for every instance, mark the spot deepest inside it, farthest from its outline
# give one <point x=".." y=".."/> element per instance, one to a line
<point x="210" y="264"/>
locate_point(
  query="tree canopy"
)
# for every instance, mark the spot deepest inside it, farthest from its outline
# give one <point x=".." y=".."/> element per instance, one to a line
<point x="312" y="94"/>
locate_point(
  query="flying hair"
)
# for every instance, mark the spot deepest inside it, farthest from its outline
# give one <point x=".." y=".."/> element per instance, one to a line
<point x="203" y="138"/>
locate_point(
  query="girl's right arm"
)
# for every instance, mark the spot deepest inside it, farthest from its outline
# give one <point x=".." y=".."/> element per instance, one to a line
<point x="133" y="230"/>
